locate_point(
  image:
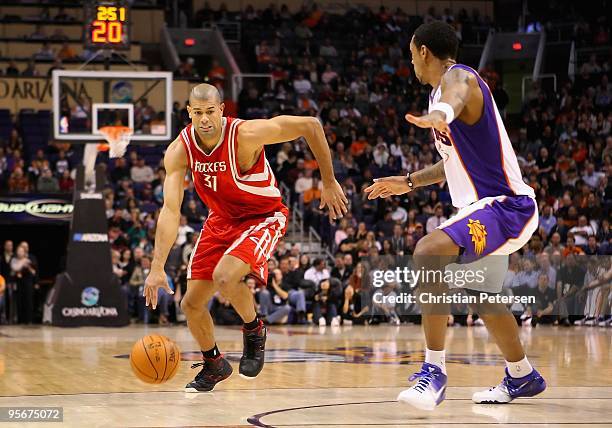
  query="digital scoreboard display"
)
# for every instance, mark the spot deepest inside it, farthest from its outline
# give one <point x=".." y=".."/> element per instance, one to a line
<point x="107" y="24"/>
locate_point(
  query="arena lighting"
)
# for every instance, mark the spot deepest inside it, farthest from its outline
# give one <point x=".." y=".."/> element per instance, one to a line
<point x="517" y="46"/>
<point x="189" y="42"/>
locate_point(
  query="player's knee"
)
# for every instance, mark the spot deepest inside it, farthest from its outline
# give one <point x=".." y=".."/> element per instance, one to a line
<point x="426" y="247"/>
<point x="188" y="306"/>
<point x="437" y="244"/>
<point x="223" y="280"/>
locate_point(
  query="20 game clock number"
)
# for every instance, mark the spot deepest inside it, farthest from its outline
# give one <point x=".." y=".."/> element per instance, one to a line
<point x="107" y="25"/>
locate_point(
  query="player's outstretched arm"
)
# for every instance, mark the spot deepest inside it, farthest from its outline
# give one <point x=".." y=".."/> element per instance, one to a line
<point x="259" y="132"/>
<point x="398" y="185"/>
<point x="455" y="91"/>
<point x="175" y="163"/>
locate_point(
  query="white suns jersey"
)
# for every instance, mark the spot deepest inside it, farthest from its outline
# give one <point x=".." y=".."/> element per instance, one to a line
<point x="479" y="160"/>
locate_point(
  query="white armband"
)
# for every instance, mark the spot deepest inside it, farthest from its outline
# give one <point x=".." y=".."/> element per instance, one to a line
<point x="446" y="109"/>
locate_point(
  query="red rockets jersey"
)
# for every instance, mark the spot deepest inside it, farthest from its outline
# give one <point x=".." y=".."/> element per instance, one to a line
<point x="226" y="191"/>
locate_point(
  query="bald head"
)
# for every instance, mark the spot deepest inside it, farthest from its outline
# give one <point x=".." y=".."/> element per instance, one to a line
<point x="204" y="92"/>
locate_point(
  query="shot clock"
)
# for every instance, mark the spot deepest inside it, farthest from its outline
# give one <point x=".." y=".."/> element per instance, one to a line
<point x="107" y="24"/>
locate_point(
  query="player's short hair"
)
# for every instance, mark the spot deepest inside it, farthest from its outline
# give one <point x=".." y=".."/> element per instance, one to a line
<point x="439" y="37"/>
<point x="204" y="92"/>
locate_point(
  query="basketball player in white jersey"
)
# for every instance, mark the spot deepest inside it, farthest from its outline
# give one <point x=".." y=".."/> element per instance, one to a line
<point x="497" y="210"/>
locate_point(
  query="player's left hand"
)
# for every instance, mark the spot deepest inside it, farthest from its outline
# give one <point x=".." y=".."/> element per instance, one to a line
<point x="334" y="199"/>
<point x="155" y="280"/>
<point x="435" y="119"/>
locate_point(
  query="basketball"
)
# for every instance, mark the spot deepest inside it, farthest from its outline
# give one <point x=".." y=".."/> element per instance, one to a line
<point x="155" y="359"/>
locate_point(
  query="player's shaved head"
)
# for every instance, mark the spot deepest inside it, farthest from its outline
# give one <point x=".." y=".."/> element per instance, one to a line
<point x="204" y="92"/>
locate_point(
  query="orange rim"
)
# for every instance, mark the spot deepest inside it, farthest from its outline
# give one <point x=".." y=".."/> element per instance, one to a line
<point x="112" y="134"/>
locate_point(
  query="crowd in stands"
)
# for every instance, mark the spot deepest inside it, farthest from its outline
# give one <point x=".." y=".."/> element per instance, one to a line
<point x="360" y="85"/>
<point x="51" y="44"/>
<point x="50" y="48"/>
<point x="19" y="297"/>
<point x="45" y="173"/>
<point x="216" y="75"/>
<point x="62" y="15"/>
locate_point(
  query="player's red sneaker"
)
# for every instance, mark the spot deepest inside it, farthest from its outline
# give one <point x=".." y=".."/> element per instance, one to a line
<point x="252" y="360"/>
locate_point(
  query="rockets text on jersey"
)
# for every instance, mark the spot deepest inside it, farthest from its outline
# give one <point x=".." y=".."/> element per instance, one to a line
<point x="224" y="189"/>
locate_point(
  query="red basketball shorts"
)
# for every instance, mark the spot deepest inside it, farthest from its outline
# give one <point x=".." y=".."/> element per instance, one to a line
<point x="252" y="241"/>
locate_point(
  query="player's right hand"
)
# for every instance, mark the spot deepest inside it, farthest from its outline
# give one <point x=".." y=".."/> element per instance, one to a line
<point x="157" y="279"/>
<point x="388" y="186"/>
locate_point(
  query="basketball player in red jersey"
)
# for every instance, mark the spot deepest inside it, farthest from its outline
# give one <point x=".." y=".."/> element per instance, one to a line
<point x="246" y="219"/>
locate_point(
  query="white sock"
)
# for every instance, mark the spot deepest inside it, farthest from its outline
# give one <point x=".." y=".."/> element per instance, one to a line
<point x="519" y="368"/>
<point x="436" y="358"/>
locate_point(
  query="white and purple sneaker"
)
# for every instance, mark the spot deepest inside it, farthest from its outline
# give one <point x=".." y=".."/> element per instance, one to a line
<point x="511" y="388"/>
<point x="429" y="391"/>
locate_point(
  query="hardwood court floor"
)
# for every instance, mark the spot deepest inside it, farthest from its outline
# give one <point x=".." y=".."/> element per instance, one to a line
<point x="341" y="377"/>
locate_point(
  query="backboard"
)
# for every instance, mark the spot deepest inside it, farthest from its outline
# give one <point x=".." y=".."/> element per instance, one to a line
<point x="85" y="101"/>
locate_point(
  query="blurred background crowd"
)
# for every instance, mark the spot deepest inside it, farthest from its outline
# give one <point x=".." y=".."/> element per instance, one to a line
<point x="353" y="72"/>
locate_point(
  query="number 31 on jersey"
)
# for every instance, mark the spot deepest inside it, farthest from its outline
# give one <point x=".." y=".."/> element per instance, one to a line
<point x="210" y="181"/>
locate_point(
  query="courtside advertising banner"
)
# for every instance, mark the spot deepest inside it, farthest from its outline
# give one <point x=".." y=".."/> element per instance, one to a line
<point x="35" y="208"/>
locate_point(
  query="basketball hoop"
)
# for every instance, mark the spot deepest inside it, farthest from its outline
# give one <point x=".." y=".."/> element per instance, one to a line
<point x="118" y="138"/>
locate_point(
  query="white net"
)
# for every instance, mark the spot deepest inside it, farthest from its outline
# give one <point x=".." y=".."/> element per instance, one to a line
<point x="118" y="138"/>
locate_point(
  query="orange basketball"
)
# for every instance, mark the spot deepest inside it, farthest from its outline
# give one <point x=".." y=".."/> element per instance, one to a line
<point x="155" y="359"/>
